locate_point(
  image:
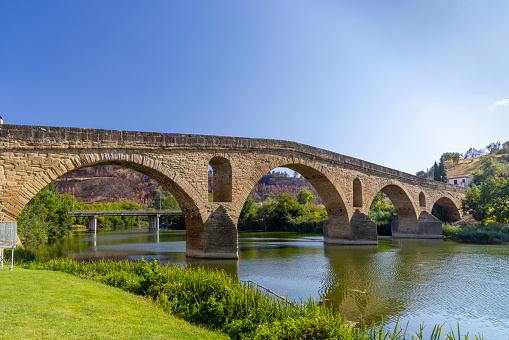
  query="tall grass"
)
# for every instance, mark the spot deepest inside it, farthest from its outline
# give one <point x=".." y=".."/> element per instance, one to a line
<point x="218" y="301"/>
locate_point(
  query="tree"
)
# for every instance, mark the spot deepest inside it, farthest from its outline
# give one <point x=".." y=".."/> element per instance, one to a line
<point x="473" y="152"/>
<point x="490" y="168"/>
<point x="489" y="201"/>
<point x="45" y="216"/>
<point x="455" y="157"/>
<point x="382" y="213"/>
<point x="493" y="147"/>
<point x="441" y="172"/>
<point x="447" y="156"/>
<point x="420" y="173"/>
<point x="436" y="172"/>
<point x="304" y="197"/>
<point x="248" y="209"/>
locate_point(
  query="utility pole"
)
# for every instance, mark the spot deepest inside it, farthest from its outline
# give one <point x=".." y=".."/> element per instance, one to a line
<point x="72" y="198"/>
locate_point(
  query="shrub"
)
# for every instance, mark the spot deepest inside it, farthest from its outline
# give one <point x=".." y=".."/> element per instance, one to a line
<point x="491" y="234"/>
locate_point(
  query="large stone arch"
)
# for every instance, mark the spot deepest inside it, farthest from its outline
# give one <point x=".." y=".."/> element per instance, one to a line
<point x="187" y="197"/>
<point x="337" y="228"/>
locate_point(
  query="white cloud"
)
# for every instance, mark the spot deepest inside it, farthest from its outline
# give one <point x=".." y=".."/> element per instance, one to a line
<point x="503" y="102"/>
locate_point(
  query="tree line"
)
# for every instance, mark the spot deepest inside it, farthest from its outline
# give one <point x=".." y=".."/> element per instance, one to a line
<point x="46" y="216"/>
<point x="487" y="199"/>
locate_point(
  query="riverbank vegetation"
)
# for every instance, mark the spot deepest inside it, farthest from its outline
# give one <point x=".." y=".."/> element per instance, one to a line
<point x="45" y="216"/>
<point x="493" y="233"/>
<point x="284" y="213"/>
<point x="220" y="302"/>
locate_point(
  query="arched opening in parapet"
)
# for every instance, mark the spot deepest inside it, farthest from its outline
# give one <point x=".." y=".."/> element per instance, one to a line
<point x="220" y="179"/>
<point x="422" y="200"/>
<point x="390" y="208"/>
<point x="445" y="210"/>
<point x="91" y="188"/>
<point x="357" y="193"/>
<point x="295" y="197"/>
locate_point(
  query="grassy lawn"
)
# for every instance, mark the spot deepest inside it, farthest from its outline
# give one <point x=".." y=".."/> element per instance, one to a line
<point x="38" y="304"/>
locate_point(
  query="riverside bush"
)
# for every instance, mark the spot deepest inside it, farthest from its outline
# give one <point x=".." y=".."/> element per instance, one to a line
<point x="218" y="301"/>
<point x="491" y="234"/>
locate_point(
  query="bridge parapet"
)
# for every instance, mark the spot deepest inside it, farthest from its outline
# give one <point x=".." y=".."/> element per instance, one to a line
<point x="33" y="137"/>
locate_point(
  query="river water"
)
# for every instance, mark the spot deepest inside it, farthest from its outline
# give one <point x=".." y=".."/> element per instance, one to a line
<point x="413" y="281"/>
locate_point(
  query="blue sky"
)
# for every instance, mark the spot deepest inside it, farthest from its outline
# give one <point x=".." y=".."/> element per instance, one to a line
<point x="395" y="83"/>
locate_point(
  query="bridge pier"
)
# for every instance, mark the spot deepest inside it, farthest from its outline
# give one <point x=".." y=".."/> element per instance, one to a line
<point x="426" y="227"/>
<point x="360" y="230"/>
<point x="218" y="238"/>
<point x="153" y="223"/>
<point x="92" y="224"/>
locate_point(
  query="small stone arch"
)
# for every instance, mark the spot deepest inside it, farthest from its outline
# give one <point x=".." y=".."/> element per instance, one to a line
<point x="357" y="193"/>
<point x="222" y="179"/>
<point x="446" y="209"/>
<point x="422" y="200"/>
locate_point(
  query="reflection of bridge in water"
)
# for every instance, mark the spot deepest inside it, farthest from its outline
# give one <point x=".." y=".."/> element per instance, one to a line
<point x="153" y="221"/>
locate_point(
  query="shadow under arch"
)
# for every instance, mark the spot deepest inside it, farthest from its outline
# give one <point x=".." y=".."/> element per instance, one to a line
<point x="445" y="209"/>
<point x="164" y="176"/>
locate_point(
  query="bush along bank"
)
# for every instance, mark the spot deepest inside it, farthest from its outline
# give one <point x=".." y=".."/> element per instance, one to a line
<point x="493" y="233"/>
<point x="218" y="301"/>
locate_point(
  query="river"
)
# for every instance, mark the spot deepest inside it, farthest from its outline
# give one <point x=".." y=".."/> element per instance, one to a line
<point x="413" y="281"/>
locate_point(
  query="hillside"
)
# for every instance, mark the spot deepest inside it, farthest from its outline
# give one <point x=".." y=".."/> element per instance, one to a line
<point x="464" y="166"/>
<point x="110" y="183"/>
<point x="469" y="165"/>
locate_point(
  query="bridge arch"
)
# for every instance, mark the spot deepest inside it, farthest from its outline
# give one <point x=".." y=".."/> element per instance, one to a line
<point x="186" y="195"/>
<point x="446" y="209"/>
<point x="339" y="214"/>
<point x="406" y="219"/>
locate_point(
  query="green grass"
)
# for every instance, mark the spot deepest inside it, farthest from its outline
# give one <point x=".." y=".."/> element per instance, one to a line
<point x="40" y="304"/>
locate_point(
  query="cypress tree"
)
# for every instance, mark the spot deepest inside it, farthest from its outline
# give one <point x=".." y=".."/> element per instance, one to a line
<point x="441" y="172"/>
<point x="436" y="173"/>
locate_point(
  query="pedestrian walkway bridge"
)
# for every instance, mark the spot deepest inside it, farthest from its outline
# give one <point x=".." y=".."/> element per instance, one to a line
<point x="153" y="215"/>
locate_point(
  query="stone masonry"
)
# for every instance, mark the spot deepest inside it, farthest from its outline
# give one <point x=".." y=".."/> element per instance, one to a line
<point x="33" y="156"/>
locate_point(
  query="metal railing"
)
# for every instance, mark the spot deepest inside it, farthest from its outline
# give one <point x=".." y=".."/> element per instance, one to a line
<point x="125" y="212"/>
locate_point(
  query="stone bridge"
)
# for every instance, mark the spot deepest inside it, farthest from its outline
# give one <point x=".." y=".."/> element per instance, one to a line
<point x="33" y="156"/>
